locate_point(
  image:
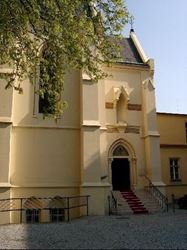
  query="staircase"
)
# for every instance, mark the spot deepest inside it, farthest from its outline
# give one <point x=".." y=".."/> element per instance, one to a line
<point x="149" y="201"/>
<point x="134" y="202"/>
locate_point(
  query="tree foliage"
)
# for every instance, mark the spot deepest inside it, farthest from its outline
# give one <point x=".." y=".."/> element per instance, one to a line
<point x="59" y="35"/>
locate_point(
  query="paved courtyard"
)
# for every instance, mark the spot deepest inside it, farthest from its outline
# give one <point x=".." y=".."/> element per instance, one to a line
<point x="155" y="231"/>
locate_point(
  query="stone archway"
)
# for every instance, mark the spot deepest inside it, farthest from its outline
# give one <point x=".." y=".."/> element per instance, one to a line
<point x="122" y="166"/>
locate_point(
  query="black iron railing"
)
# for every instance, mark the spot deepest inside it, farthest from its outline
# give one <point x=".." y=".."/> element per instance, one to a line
<point x="21" y="205"/>
<point x="155" y="192"/>
<point x="174" y="202"/>
<point x="112" y="203"/>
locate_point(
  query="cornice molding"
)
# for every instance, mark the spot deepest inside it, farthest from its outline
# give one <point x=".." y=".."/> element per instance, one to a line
<point x="162" y="145"/>
<point x="91" y="123"/>
<point x="5" y="119"/>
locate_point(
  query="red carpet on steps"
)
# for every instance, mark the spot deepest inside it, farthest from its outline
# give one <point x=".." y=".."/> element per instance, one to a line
<point x="134" y="203"/>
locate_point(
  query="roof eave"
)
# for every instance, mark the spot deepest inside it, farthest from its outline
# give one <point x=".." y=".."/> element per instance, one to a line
<point x="142" y="65"/>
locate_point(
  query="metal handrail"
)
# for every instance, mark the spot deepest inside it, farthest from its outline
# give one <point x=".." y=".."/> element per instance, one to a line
<point x="154" y="191"/>
<point x="113" y="203"/>
<point x="43" y="203"/>
<point x="173" y="200"/>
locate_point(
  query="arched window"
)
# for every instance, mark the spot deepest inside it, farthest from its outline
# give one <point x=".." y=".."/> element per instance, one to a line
<point x="44" y="105"/>
<point x="49" y="86"/>
<point x="120" y="151"/>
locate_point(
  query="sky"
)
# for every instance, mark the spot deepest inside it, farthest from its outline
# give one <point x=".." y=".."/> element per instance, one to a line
<point x="161" y="28"/>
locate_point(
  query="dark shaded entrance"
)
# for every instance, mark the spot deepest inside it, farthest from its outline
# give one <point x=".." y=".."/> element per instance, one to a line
<point x="120" y="174"/>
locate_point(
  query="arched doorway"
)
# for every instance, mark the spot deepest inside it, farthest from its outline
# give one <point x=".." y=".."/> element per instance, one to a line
<point x="120" y="169"/>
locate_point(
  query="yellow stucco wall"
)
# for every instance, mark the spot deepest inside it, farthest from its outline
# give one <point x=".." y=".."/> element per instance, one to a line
<point x="173" y="145"/>
<point x="44" y="151"/>
<point x="172" y="128"/>
<point x="39" y="157"/>
<point x="45" y="156"/>
<point x="101" y="130"/>
<point x="6" y="100"/>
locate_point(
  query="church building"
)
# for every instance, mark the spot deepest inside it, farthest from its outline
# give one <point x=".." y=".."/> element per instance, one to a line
<point x="107" y="139"/>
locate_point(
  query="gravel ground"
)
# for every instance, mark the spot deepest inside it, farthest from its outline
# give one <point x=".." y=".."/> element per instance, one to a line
<point x="155" y="231"/>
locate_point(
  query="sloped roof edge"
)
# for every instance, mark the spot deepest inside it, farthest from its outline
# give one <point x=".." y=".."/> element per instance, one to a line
<point x="138" y="47"/>
<point x="172" y="114"/>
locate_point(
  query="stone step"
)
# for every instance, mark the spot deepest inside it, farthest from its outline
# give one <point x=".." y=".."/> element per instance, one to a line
<point x="134" y="202"/>
<point x="144" y="198"/>
<point x="149" y="202"/>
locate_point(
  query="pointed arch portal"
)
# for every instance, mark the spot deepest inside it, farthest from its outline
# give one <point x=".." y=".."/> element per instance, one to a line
<point x="121" y="166"/>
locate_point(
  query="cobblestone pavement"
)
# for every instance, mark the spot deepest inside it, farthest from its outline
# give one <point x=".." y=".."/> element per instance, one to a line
<point x="155" y="231"/>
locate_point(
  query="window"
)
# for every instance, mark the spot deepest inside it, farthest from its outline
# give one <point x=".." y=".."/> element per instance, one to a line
<point x="43" y="104"/>
<point x="49" y="89"/>
<point x="56" y="214"/>
<point x="120" y="151"/>
<point x="43" y="100"/>
<point x="32" y="215"/>
<point x="174" y="169"/>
